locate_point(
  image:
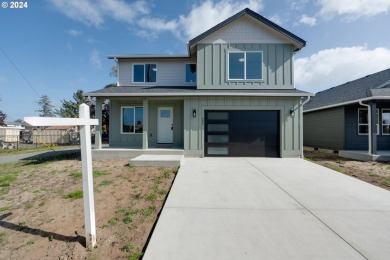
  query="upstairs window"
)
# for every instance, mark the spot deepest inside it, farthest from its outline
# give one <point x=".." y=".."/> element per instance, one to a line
<point x="363" y="121"/>
<point x="245" y="65"/>
<point x="190" y="73"/>
<point x="144" y="73"/>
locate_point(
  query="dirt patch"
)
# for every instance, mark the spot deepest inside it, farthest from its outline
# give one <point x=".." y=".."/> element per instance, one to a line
<point x="42" y="217"/>
<point x="376" y="173"/>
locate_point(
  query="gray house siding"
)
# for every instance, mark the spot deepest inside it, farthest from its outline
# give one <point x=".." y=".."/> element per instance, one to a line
<point x="354" y="141"/>
<point x="277" y="66"/>
<point x="169" y="73"/>
<point x="324" y="129"/>
<point x="118" y="139"/>
<point x="290" y="136"/>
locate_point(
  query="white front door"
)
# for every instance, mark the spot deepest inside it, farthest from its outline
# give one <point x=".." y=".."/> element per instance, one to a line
<point x="165" y="125"/>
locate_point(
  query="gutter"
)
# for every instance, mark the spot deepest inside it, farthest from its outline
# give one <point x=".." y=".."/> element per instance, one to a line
<point x="178" y="94"/>
<point x="301" y="115"/>
<point x="369" y="126"/>
<point x="348" y="103"/>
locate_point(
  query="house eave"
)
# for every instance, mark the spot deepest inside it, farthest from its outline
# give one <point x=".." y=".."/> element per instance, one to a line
<point x="274" y="94"/>
<point x="148" y="56"/>
<point x="348" y="103"/>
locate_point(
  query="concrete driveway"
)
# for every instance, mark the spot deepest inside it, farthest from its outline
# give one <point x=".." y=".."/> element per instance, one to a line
<point x="270" y="208"/>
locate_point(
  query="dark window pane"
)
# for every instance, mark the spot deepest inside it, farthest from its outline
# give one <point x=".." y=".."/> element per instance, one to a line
<point x="253" y="65"/>
<point x="150" y="72"/>
<point x="363" y="116"/>
<point x="217" y="151"/>
<point x="138" y="73"/>
<point x="139" y="117"/>
<point x="128" y="120"/>
<point x="190" y="73"/>
<point x="236" y="65"/>
<point x="218" y="138"/>
<point x="386" y="129"/>
<point x="363" y="129"/>
<point x="218" y="115"/>
<point x="218" y="127"/>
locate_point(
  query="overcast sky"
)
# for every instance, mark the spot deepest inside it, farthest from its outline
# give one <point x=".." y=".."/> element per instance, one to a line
<point x="55" y="47"/>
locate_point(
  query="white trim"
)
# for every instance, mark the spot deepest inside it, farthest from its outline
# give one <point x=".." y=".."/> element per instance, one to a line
<point x="121" y="121"/>
<point x="143" y="82"/>
<point x="348" y="103"/>
<point x="244" y="79"/>
<point x="369" y="122"/>
<point x="388" y="109"/>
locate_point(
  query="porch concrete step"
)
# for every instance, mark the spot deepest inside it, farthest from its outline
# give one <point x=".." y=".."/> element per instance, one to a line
<point x="157" y="160"/>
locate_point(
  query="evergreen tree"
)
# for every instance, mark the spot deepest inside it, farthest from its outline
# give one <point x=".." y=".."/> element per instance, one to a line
<point x="46" y="107"/>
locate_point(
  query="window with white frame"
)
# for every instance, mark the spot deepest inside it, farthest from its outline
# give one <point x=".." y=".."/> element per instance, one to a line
<point x="363" y="121"/>
<point x="245" y="65"/>
<point x="144" y="73"/>
<point x="132" y="120"/>
<point x="386" y="121"/>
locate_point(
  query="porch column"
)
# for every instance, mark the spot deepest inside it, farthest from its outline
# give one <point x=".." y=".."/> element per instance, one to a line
<point x="373" y="128"/>
<point x="98" y="128"/>
<point x="145" y="127"/>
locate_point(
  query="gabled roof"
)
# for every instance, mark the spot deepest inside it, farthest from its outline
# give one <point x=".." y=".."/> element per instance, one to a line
<point x="300" y="42"/>
<point x="374" y="86"/>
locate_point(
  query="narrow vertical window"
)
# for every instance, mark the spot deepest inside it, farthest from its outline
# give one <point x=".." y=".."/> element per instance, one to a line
<point x="386" y="121"/>
<point x="190" y="73"/>
<point x="363" y="121"/>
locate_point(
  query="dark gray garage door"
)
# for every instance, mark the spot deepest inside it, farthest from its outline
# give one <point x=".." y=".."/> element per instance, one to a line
<point x="242" y="133"/>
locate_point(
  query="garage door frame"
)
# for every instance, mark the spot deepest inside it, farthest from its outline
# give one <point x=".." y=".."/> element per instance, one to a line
<point x="235" y="108"/>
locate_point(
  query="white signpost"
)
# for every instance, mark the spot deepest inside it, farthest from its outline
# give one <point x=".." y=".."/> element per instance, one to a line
<point x="84" y="122"/>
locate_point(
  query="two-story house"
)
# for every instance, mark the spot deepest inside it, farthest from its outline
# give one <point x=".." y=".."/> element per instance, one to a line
<point x="232" y="95"/>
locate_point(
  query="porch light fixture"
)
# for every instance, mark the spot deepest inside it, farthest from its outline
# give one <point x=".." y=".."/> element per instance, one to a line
<point x="292" y="113"/>
<point x="194" y="113"/>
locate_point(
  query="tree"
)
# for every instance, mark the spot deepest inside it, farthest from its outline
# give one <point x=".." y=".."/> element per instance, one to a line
<point x="46" y="107"/>
<point x="3" y="117"/>
<point x="70" y="108"/>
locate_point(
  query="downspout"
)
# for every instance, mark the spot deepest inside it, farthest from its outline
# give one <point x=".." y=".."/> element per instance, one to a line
<point x="369" y="124"/>
<point x="301" y="115"/>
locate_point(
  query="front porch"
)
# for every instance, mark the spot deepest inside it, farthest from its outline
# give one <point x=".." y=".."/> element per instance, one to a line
<point x="142" y="157"/>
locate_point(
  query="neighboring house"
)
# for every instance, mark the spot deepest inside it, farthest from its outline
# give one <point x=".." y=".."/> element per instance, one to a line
<point x="339" y="118"/>
<point x="232" y="95"/>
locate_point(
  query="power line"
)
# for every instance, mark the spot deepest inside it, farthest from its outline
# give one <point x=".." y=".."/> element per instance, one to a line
<point x="18" y="70"/>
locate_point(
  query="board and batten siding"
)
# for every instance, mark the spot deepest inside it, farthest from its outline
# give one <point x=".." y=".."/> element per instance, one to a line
<point x="324" y="129"/>
<point x="169" y="72"/>
<point x="277" y="66"/>
<point x="290" y="137"/>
